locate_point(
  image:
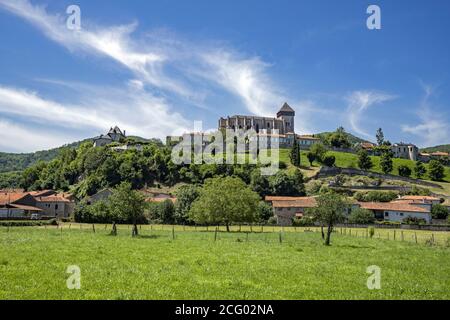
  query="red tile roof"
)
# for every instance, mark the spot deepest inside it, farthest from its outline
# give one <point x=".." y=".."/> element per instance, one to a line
<point x="420" y="198"/>
<point x="52" y="199"/>
<point x="10" y="197"/>
<point x="392" y="206"/>
<point x="300" y="202"/>
<point x="155" y="200"/>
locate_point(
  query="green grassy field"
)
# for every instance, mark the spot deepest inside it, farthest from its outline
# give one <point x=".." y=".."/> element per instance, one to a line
<point x="34" y="260"/>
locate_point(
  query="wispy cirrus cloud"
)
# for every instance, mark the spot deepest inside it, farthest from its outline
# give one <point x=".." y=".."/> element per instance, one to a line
<point x="148" y="59"/>
<point x="434" y="127"/>
<point x="359" y="103"/>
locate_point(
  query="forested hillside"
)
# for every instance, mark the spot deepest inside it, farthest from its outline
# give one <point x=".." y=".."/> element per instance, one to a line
<point x="441" y="148"/>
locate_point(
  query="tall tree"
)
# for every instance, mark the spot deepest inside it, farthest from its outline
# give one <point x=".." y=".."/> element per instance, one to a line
<point x="436" y="170"/>
<point x="225" y="200"/>
<point x="364" y="161"/>
<point x="419" y="170"/>
<point x="186" y="195"/>
<point x="331" y="209"/>
<point x="386" y="162"/>
<point x="127" y="203"/>
<point x="295" y="154"/>
<point x="380" y="137"/>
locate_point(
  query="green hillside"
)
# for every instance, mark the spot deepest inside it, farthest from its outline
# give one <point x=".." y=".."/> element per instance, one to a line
<point x="441" y="148"/>
<point x="351" y="138"/>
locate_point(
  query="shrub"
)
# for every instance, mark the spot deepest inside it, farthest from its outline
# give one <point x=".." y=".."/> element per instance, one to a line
<point x="436" y="170"/>
<point x="272" y="221"/>
<point x="303" y="222"/>
<point x="417" y="191"/>
<point x="414" y="220"/>
<point x="329" y="160"/>
<point x="282" y="165"/>
<point x="404" y="171"/>
<point x="371" y="232"/>
<point x="438" y="211"/>
<point x="376" y="196"/>
<point x="361" y="216"/>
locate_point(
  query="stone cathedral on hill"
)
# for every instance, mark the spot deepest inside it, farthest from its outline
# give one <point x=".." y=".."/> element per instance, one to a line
<point x="284" y="122"/>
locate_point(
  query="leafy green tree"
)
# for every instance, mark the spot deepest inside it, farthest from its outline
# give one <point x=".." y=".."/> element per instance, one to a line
<point x="163" y="212"/>
<point x="265" y="211"/>
<point x="259" y="183"/>
<point x="295" y="154"/>
<point x="225" y="200"/>
<point x="299" y="182"/>
<point x="436" y="170"/>
<point x="386" y="162"/>
<point x="331" y="209"/>
<point x="419" y="170"/>
<point x="364" y="161"/>
<point x="311" y="158"/>
<point x="128" y="204"/>
<point x="339" y="139"/>
<point x="380" y="137"/>
<point x="404" y="171"/>
<point x="329" y="160"/>
<point x="438" y="211"/>
<point x="361" y="216"/>
<point x="186" y="195"/>
<point x="319" y="151"/>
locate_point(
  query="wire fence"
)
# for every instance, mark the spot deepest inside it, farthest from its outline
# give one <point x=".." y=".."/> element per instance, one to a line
<point x="242" y="233"/>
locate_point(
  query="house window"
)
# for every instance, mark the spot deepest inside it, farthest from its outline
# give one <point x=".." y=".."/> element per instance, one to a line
<point x="386" y="214"/>
<point x="56" y="207"/>
<point x="401" y="214"/>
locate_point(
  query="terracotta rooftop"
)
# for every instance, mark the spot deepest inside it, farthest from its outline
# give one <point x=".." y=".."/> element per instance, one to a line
<point x="157" y="200"/>
<point x="301" y="202"/>
<point x="52" y="199"/>
<point x="307" y="137"/>
<point x="392" y="206"/>
<point x="10" y="197"/>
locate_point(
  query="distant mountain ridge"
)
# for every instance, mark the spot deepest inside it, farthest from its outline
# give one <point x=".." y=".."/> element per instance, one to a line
<point x="441" y="148"/>
<point x="20" y="161"/>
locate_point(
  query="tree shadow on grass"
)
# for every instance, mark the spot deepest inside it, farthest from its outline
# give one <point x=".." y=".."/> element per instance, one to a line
<point x="352" y="246"/>
<point x="146" y="236"/>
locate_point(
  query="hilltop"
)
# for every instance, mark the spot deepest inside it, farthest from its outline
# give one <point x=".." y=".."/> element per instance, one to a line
<point x="441" y="148"/>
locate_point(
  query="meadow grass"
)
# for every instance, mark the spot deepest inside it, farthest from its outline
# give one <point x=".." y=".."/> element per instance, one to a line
<point x="238" y="265"/>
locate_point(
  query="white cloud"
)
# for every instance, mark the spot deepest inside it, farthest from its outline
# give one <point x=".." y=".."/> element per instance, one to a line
<point x="358" y="104"/>
<point x="434" y="127"/>
<point x="147" y="59"/>
<point x="135" y="111"/>
<point x="16" y="138"/>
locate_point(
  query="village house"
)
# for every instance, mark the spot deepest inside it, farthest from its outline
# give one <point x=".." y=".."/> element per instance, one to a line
<point x="113" y="135"/>
<point x="17" y="205"/>
<point x="285" y="209"/>
<point x="55" y="206"/>
<point x="306" y="141"/>
<point x="405" y="151"/>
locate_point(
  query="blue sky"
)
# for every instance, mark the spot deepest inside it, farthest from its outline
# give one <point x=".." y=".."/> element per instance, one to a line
<point x="155" y="67"/>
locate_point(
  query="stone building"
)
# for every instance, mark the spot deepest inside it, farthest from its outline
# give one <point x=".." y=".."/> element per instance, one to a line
<point x="405" y="151"/>
<point x="284" y="122"/>
<point x="113" y="135"/>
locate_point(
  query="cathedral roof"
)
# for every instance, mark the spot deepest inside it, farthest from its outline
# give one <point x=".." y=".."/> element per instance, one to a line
<point x="286" y="108"/>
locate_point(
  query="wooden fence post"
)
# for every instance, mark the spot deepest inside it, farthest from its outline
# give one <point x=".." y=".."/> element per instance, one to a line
<point x="415" y="236"/>
<point x="281" y="240"/>
<point x="173" y="232"/>
<point x="93" y="227"/>
<point x="215" y="235"/>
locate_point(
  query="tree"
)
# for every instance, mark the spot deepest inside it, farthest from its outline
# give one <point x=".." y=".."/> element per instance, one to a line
<point x="128" y="204"/>
<point x="295" y="154"/>
<point x="225" y="200"/>
<point x="436" y="170"/>
<point x="361" y="216"/>
<point x="329" y="160"/>
<point x="339" y="139"/>
<point x="386" y="162"/>
<point x="404" y="171"/>
<point x="186" y="195"/>
<point x="299" y="182"/>
<point x="438" y="211"/>
<point x="259" y="183"/>
<point x="319" y="151"/>
<point x="380" y="137"/>
<point x="283" y="184"/>
<point x="265" y="211"/>
<point x="311" y="158"/>
<point x="330" y="210"/>
<point x="364" y="161"/>
<point x="419" y="170"/>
